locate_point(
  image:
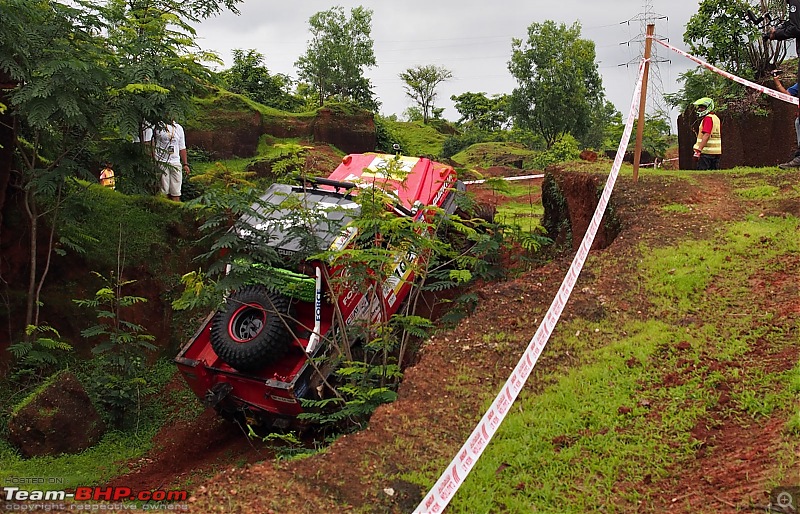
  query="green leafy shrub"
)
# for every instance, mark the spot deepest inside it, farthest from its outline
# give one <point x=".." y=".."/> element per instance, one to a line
<point x="565" y="149"/>
<point x="118" y="381"/>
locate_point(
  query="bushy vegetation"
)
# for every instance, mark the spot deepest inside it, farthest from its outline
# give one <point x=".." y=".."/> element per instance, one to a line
<point x="87" y="87"/>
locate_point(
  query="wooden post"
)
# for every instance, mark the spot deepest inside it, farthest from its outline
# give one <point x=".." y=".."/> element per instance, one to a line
<point x="637" y="153"/>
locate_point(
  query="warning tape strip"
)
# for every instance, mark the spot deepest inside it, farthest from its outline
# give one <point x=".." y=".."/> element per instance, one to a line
<point x="758" y="87"/>
<point x="657" y="163"/>
<point x="520" y="177"/>
<point x="445" y="488"/>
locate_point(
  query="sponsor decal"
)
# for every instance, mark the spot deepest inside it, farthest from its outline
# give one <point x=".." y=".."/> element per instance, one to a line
<point x="444" y="189"/>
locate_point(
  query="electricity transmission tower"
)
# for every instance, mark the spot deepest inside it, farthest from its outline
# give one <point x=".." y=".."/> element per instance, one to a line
<point x="656" y="105"/>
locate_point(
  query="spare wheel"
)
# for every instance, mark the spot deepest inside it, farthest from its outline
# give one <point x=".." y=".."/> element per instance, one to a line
<point x="250" y="331"/>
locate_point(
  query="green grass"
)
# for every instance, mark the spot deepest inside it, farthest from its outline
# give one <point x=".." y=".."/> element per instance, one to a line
<point x="678" y="276"/>
<point x="94" y="466"/>
<point x="524" y="212"/>
<point x="756" y="192"/>
<point x="417" y="138"/>
<point x="567" y="445"/>
<point x="620" y="413"/>
<point x="526" y="216"/>
<point x="676" y="207"/>
<point x="102" y="221"/>
<point x="223" y="110"/>
<point x="485" y="155"/>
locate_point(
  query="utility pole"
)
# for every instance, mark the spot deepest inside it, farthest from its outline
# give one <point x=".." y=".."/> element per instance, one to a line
<point x="654" y="102"/>
<point x="637" y="153"/>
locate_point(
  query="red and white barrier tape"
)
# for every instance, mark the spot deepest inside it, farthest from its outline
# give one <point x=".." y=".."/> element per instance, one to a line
<point x="752" y="85"/>
<point x="445" y="488"/>
<point x="520" y="177"/>
<point x="657" y="163"/>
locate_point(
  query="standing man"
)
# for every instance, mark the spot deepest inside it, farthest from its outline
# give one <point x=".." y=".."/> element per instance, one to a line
<point x="169" y="151"/>
<point x="788" y="30"/>
<point x="708" y="148"/>
<point x="791" y="90"/>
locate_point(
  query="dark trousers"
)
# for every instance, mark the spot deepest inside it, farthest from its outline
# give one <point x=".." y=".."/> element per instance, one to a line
<point x="708" y="162"/>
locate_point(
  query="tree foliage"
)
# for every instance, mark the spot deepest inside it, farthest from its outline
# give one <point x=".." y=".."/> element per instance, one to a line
<point x="701" y="82"/>
<point x="479" y="111"/>
<point x="119" y="381"/>
<point x="420" y="85"/>
<point x="88" y="72"/>
<point x="721" y="33"/>
<point x="249" y="77"/>
<point x="605" y="128"/>
<point x="559" y="85"/>
<point x="337" y="54"/>
<point x="61" y="65"/>
<point x="158" y="65"/>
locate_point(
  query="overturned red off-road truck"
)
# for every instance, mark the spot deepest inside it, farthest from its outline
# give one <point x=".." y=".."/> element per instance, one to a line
<point x="253" y="357"/>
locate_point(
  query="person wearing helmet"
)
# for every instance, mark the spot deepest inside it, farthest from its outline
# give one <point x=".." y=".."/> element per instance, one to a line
<point x="708" y="148"/>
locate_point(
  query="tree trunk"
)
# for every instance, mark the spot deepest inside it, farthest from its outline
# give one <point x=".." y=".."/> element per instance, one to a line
<point x="33" y="217"/>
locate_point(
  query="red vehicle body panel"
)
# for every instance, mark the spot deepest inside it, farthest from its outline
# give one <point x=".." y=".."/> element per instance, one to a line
<point x="425" y="179"/>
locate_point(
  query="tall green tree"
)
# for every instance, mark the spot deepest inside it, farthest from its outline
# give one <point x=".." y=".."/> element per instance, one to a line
<point x="55" y="54"/>
<point x="603" y="128"/>
<point x="248" y="76"/>
<point x="482" y="112"/>
<point x="420" y="86"/>
<point x="558" y="81"/>
<point x="158" y="65"/>
<point x="339" y="51"/>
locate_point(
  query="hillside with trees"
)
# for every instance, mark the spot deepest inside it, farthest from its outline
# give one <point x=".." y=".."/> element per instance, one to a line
<point x="679" y="349"/>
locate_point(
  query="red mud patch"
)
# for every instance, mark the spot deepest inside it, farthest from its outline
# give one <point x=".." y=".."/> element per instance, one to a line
<point x="185" y="450"/>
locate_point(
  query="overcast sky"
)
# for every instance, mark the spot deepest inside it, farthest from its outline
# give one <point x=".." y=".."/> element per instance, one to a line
<point x="472" y="38"/>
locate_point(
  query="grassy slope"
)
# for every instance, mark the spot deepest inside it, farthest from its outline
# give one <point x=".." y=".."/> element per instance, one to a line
<point x="590" y="440"/>
<point x="574" y="443"/>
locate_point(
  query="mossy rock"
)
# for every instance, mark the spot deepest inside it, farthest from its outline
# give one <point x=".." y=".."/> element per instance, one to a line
<point x="56" y="418"/>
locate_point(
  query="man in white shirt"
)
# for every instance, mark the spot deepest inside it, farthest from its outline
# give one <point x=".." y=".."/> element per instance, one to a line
<point x="169" y="150"/>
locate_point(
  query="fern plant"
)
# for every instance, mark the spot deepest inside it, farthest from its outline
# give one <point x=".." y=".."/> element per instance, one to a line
<point x="292" y="160"/>
<point x="40" y="354"/>
<point x="357" y="398"/>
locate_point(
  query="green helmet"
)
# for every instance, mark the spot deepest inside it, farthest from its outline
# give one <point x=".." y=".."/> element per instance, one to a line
<point x="704" y="105"/>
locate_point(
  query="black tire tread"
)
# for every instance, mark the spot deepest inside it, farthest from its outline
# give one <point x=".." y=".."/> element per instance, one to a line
<point x="271" y="344"/>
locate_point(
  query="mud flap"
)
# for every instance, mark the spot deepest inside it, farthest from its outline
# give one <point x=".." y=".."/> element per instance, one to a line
<point x="217" y="394"/>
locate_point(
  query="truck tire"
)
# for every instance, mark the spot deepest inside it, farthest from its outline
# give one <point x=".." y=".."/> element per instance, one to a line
<point x="249" y="332"/>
